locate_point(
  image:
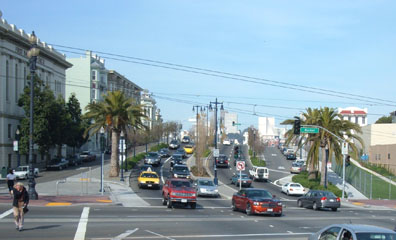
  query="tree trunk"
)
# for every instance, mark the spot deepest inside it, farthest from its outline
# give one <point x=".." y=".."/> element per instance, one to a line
<point x="323" y="168"/>
<point x="114" y="164"/>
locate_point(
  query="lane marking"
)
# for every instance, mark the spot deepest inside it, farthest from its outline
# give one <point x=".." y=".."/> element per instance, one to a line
<point x="82" y="225"/>
<point x="126" y="234"/>
<point x="271" y="226"/>
<point x="6" y="213"/>
<point x="222" y="235"/>
<point x="159" y="235"/>
<point x="161" y="171"/>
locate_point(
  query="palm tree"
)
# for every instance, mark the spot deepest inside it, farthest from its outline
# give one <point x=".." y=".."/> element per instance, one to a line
<point x="116" y="113"/>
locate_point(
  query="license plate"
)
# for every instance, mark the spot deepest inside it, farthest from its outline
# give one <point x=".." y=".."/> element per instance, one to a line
<point x="269" y="209"/>
<point x="331" y="200"/>
<point x="244" y="181"/>
<point x="150" y="185"/>
<point x="184" y="200"/>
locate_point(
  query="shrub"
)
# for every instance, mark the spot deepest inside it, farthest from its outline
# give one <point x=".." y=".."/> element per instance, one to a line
<point x="314" y="184"/>
<point x="156" y="148"/>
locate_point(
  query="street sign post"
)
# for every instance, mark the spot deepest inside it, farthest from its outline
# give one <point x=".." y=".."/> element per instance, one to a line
<point x="309" y="130"/>
<point x="240" y="166"/>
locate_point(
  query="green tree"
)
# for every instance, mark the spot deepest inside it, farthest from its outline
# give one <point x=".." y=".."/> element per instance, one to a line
<point x="384" y="119"/>
<point x="76" y="126"/>
<point x="117" y="113"/>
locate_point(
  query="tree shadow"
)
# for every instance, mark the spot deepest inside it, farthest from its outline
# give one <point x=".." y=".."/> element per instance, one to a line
<point x="41" y="227"/>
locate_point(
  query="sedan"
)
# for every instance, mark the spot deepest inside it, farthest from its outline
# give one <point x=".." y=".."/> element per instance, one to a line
<point x="319" y="199"/>
<point x="291" y="156"/>
<point x="256" y="201"/>
<point x="297" y="167"/>
<point x="176" y="159"/>
<point x="222" y="161"/>
<point x="241" y="179"/>
<point x="206" y="187"/>
<point x="152" y="158"/>
<point x="182" y="152"/>
<point x="164" y="152"/>
<point x="148" y="180"/>
<point x="293" y="189"/>
<point x="189" y="149"/>
<point x="353" y="232"/>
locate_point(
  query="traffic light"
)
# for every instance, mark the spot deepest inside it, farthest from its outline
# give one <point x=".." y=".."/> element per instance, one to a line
<point x="347" y="161"/>
<point x="233" y="123"/>
<point x="297" y="125"/>
<point x="236" y="152"/>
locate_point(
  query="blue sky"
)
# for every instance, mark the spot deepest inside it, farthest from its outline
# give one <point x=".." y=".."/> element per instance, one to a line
<point x="346" y="46"/>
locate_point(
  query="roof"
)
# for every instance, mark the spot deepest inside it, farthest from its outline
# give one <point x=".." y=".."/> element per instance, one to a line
<point x="360" y="228"/>
<point x="356" y="112"/>
<point x="179" y="179"/>
<point x="149" y="172"/>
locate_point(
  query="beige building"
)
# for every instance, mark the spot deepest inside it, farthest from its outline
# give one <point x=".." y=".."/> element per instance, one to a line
<point x="117" y="82"/>
<point x="380" y="144"/>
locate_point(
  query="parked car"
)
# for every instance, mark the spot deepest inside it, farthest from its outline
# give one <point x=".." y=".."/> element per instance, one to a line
<point x="186" y="139"/>
<point x="87" y="156"/>
<point x="256" y="201"/>
<point x="259" y="173"/>
<point x="222" y="161"/>
<point x="181" y="152"/>
<point x="226" y="142"/>
<point x="22" y="172"/>
<point x="189" y="149"/>
<point x="58" y="164"/>
<point x="297" y="167"/>
<point x="174" y="144"/>
<point x="353" y="232"/>
<point x="319" y="199"/>
<point x="243" y="179"/>
<point x="149" y="180"/>
<point x="179" y="191"/>
<point x="177" y="159"/>
<point x="291" y="156"/>
<point x="152" y="158"/>
<point x="74" y="160"/>
<point x="146" y="168"/>
<point x="206" y="187"/>
<point x="293" y="189"/>
<point x="164" y="152"/>
<point x="180" y="171"/>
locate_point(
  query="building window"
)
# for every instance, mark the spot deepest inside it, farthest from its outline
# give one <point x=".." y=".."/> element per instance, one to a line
<point x="24" y="77"/>
<point x="379" y="157"/>
<point x="363" y="120"/>
<point x="7" y="81"/>
<point x="9" y="131"/>
<point x="388" y="156"/>
<point x="349" y="118"/>
<point x="93" y="75"/>
<point x="356" y="119"/>
<point x="16" y="83"/>
<point x="47" y="80"/>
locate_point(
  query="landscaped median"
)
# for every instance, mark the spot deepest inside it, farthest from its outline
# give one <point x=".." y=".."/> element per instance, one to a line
<point x="314" y="184"/>
<point x="256" y="161"/>
<point x="133" y="161"/>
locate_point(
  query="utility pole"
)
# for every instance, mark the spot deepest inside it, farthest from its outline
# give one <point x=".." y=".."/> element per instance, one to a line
<point x="215" y="137"/>
<point x="196" y="107"/>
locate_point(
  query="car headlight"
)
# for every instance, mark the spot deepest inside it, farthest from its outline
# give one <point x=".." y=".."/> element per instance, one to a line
<point x="256" y="203"/>
<point x="156" y="182"/>
<point x="193" y="195"/>
<point x="279" y="204"/>
<point x="142" y="182"/>
<point x="188" y="176"/>
<point x="216" y="190"/>
<point x="175" y="175"/>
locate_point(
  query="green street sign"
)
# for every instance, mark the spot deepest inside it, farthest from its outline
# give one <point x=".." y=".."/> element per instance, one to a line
<point x="309" y="130"/>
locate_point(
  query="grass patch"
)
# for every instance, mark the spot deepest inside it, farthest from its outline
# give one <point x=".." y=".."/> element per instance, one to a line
<point x="195" y="172"/>
<point x="156" y="148"/>
<point x="256" y="161"/>
<point x="133" y="161"/>
<point x="206" y="153"/>
<point x="314" y="184"/>
<point x="377" y="168"/>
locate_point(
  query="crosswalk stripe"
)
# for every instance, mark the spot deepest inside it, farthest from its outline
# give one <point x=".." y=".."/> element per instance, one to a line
<point x="6" y="213"/>
<point x="82" y="225"/>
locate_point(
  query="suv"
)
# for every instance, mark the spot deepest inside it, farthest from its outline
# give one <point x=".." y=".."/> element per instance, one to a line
<point x="259" y="173"/>
<point x="186" y="139"/>
<point x="152" y="158"/>
<point x="174" y="144"/>
<point x="180" y="171"/>
<point x="179" y="191"/>
<point x="177" y="159"/>
<point x="222" y="161"/>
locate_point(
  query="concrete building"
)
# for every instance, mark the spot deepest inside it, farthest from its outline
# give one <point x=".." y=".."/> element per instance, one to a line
<point x="266" y="128"/>
<point x="227" y="120"/>
<point x="117" y="82"/>
<point x="380" y="144"/>
<point x="14" y="70"/>
<point x="150" y="109"/>
<point x="354" y="114"/>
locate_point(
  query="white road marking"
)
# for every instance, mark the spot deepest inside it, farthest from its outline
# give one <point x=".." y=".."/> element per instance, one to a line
<point x="159" y="235"/>
<point x="161" y="171"/>
<point x="274" y="155"/>
<point x="271" y="226"/>
<point x="290" y="232"/>
<point x="82" y="225"/>
<point x="126" y="234"/>
<point x="6" y="213"/>
<point x="281" y="167"/>
<point x="226" y="235"/>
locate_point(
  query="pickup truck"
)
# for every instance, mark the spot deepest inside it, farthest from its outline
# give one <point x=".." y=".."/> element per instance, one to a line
<point x="259" y="173"/>
<point x="176" y="190"/>
<point x="22" y="172"/>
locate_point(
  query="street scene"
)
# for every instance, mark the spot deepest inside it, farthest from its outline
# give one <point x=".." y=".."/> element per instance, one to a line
<point x="197" y="120"/>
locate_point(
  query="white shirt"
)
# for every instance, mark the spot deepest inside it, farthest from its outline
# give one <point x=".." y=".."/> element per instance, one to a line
<point x="11" y="176"/>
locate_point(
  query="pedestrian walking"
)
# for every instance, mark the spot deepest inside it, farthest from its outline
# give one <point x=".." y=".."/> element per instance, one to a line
<point x="20" y="203"/>
<point x="10" y="180"/>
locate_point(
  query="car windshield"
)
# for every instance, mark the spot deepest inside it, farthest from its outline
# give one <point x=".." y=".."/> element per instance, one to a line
<point x="84" y="153"/>
<point x="180" y="184"/>
<point x="152" y="154"/>
<point x="243" y="175"/>
<point x="181" y="169"/>
<point x="260" y="170"/>
<point x="173" y="142"/>
<point x="222" y="157"/>
<point x="188" y="146"/>
<point x="374" y="236"/>
<point x="149" y="175"/>
<point x="326" y="194"/>
<point x="259" y="194"/>
<point x="295" y="185"/>
<point x="178" y="156"/>
<point x="206" y="183"/>
<point x="296" y="165"/>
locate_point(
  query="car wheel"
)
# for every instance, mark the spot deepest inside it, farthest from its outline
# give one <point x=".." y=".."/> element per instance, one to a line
<point x="163" y="201"/>
<point x="315" y="206"/>
<point x="140" y="186"/>
<point x="234" y="208"/>
<point x="299" y="203"/>
<point x="287" y="192"/>
<point x="249" y="209"/>
<point x="334" y="209"/>
<point x="60" y="168"/>
<point x="169" y="202"/>
<point x="193" y="205"/>
<point x="278" y="214"/>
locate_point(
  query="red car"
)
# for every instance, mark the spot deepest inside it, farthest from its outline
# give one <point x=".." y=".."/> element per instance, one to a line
<point x="178" y="190"/>
<point x="256" y="201"/>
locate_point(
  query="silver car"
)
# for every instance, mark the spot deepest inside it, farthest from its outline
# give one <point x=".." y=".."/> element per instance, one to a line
<point x="353" y="232"/>
<point x="206" y="187"/>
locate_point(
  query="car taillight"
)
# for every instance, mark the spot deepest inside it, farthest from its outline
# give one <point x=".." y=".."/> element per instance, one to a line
<point x="338" y="199"/>
<point x="291" y="189"/>
<point x="299" y="169"/>
<point x="323" y="199"/>
<point x="226" y="161"/>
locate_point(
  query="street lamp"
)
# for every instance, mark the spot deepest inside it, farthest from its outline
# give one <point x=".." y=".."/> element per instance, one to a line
<point x="32" y="54"/>
<point x="17" y="138"/>
<point x="122" y="142"/>
<point x="215" y="180"/>
<point x="102" y="131"/>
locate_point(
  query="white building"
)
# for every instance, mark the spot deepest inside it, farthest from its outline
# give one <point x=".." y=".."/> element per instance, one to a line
<point x="266" y="128"/>
<point x="354" y="114"/>
<point x="150" y="109"/>
<point x="14" y="70"/>
<point x="228" y="119"/>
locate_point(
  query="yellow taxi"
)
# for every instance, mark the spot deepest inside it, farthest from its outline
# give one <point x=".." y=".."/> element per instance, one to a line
<point x="148" y="180"/>
<point x="189" y="149"/>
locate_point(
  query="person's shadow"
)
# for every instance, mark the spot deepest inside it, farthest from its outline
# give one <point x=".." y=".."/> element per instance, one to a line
<point x="41" y="227"/>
